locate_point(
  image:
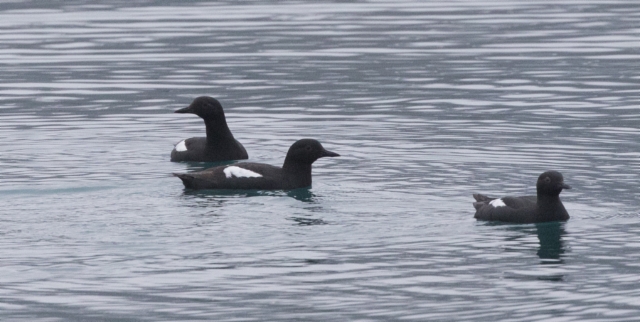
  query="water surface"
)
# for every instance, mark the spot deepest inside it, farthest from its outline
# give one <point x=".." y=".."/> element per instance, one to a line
<point x="426" y="102"/>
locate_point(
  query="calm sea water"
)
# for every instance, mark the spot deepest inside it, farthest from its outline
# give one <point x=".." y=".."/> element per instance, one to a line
<point x="426" y="102"/>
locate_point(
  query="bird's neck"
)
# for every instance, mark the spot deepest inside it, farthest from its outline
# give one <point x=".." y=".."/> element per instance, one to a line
<point x="217" y="132"/>
<point x="550" y="205"/>
<point x="548" y="199"/>
<point x="299" y="172"/>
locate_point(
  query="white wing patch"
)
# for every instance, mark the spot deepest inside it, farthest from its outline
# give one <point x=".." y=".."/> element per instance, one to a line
<point x="182" y="146"/>
<point x="238" y="172"/>
<point x="497" y="203"/>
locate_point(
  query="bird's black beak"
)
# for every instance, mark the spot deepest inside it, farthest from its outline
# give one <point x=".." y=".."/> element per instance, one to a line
<point x="565" y="186"/>
<point x="185" y="110"/>
<point x="326" y="153"/>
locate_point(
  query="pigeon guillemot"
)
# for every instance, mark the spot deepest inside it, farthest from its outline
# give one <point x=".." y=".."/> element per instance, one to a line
<point x="295" y="173"/>
<point x="219" y="145"/>
<point x="546" y="206"/>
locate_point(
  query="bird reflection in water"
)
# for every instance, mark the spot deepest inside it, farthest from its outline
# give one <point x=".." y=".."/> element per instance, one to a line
<point x="551" y="243"/>
<point x="302" y="194"/>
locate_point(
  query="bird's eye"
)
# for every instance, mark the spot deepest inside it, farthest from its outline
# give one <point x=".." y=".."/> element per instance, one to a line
<point x="308" y="148"/>
<point x="547" y="179"/>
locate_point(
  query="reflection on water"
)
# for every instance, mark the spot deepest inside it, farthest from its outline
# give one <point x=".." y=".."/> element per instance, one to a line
<point x="308" y="221"/>
<point x="427" y="102"/>
<point x="302" y="194"/>
<point x="551" y="243"/>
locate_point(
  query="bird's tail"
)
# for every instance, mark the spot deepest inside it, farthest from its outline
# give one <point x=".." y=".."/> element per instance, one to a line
<point x="481" y="200"/>
<point x="186" y="178"/>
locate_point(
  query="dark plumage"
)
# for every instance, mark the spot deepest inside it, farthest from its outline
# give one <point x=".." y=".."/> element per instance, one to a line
<point x="295" y="173"/>
<point x="219" y="145"/>
<point x="546" y="206"/>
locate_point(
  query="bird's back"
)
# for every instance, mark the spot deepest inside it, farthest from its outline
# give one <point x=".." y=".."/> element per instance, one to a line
<point x="509" y="209"/>
<point x="197" y="150"/>
<point x="243" y="175"/>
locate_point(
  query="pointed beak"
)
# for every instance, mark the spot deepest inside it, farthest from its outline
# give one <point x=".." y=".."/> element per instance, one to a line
<point x="185" y="110"/>
<point x="326" y="153"/>
<point x="565" y="186"/>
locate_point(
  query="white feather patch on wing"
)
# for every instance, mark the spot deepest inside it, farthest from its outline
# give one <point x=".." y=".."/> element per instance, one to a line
<point x="182" y="146"/>
<point x="497" y="203"/>
<point x="238" y="172"/>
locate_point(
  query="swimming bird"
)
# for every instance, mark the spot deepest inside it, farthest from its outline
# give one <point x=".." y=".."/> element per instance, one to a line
<point x="546" y="206"/>
<point x="295" y="172"/>
<point x="219" y="145"/>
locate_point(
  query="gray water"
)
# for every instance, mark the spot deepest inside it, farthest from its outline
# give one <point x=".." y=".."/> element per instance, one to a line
<point x="426" y="102"/>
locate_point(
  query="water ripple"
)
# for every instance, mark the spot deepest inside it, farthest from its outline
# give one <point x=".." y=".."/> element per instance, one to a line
<point x="426" y="102"/>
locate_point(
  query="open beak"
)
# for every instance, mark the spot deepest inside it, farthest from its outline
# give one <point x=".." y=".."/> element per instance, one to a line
<point x="565" y="186"/>
<point x="185" y="110"/>
<point x="326" y="153"/>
